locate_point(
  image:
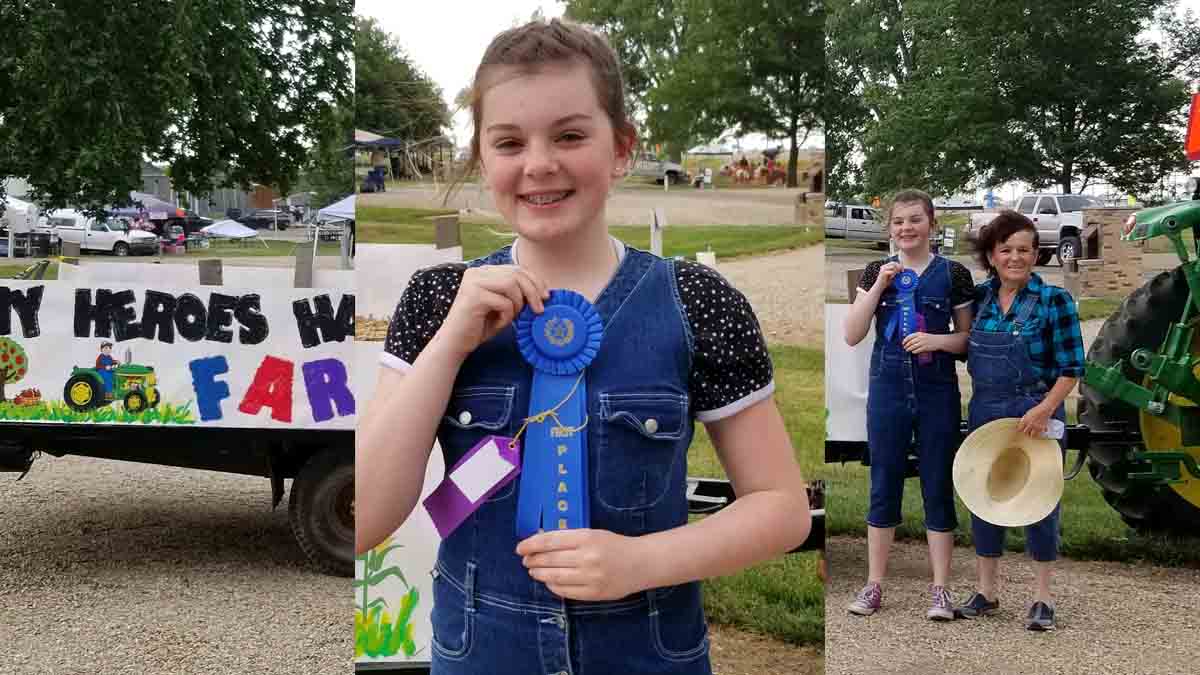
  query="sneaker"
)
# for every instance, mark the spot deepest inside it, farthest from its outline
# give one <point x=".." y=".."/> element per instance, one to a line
<point x="1041" y="617"/>
<point x="979" y="605"/>
<point x="943" y="607"/>
<point x="868" y="601"/>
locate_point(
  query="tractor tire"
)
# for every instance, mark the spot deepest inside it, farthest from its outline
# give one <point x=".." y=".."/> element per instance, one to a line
<point x="83" y="392"/>
<point x="1142" y="321"/>
<point x="154" y="398"/>
<point x="321" y="511"/>
<point x="1069" y="248"/>
<point x="1045" y="255"/>
<point x="135" y="402"/>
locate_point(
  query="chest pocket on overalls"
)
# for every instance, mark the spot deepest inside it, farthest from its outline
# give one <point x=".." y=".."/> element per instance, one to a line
<point x="472" y="414"/>
<point x="638" y="436"/>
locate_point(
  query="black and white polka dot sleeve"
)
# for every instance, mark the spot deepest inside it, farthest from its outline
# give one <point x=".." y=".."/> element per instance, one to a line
<point x="962" y="285"/>
<point x="731" y="369"/>
<point x="422" y="308"/>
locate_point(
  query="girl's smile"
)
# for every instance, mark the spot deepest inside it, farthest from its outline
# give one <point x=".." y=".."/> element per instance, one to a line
<point x="548" y="150"/>
<point x="910" y="227"/>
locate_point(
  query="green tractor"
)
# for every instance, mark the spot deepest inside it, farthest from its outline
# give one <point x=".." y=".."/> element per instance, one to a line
<point x="134" y="385"/>
<point x="1141" y="392"/>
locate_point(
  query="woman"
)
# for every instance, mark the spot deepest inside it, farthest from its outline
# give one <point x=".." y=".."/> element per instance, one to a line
<point x="913" y="391"/>
<point x="1025" y="355"/>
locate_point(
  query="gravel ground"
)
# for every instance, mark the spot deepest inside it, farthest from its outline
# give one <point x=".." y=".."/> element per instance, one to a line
<point x="786" y="293"/>
<point x="628" y="205"/>
<point x="114" y="567"/>
<point x="1112" y="618"/>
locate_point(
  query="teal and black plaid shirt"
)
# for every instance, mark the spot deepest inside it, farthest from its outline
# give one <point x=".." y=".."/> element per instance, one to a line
<point x="1053" y="335"/>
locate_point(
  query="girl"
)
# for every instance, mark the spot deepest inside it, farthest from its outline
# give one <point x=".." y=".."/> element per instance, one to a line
<point x="551" y="136"/>
<point x="1025" y="356"/>
<point x="913" y="391"/>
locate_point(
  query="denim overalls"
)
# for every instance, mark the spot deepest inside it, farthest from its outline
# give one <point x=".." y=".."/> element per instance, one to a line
<point x="1005" y="384"/>
<point x="906" y="398"/>
<point x="489" y="615"/>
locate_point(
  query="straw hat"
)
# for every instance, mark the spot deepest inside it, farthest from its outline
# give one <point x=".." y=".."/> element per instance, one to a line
<point x="1006" y="477"/>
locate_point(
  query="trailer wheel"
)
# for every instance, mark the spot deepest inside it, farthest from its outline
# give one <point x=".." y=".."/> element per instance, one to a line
<point x="321" y="511"/>
<point x="1141" y="322"/>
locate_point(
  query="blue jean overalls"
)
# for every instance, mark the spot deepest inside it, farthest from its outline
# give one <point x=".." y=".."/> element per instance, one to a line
<point x="1005" y="384"/>
<point x="489" y="615"/>
<point x="907" y="398"/>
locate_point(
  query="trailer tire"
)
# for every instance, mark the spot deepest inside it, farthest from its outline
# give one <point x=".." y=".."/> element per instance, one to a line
<point x="321" y="511"/>
<point x="1142" y="321"/>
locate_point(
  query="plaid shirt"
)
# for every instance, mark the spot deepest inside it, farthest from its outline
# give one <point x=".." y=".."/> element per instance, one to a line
<point x="1052" y="333"/>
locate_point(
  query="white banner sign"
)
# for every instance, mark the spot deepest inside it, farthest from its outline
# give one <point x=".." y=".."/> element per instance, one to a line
<point x="117" y="353"/>
<point x="847" y="371"/>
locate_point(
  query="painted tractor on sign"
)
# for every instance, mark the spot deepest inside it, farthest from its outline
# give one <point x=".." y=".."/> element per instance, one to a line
<point x="1141" y="392"/>
<point x="134" y="385"/>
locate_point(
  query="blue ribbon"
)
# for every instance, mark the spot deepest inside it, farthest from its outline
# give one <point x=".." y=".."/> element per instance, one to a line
<point x="905" y="319"/>
<point x="559" y="344"/>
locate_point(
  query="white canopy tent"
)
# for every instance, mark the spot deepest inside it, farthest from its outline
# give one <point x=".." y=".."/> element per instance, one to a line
<point x="231" y="229"/>
<point x="340" y="210"/>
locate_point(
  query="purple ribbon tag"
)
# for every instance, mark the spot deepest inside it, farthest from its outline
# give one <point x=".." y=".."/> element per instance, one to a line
<point x="924" y="358"/>
<point x="487" y="467"/>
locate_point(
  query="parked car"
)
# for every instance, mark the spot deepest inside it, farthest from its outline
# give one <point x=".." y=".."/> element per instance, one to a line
<point x="1059" y="221"/>
<point x="648" y="165"/>
<point x="855" y="222"/>
<point x="112" y="235"/>
<point x="260" y="219"/>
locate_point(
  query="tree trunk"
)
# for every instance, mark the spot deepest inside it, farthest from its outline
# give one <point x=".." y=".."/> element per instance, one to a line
<point x="1064" y="178"/>
<point x="794" y="156"/>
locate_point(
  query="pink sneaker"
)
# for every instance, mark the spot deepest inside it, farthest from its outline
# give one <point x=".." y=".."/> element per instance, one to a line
<point x="942" y="608"/>
<point x="868" y="600"/>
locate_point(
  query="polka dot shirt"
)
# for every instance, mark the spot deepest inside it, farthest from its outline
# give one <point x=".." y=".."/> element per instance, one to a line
<point x="731" y="368"/>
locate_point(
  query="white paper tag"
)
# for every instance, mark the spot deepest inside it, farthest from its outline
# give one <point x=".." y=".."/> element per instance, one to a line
<point x="481" y="471"/>
<point x="1055" y="430"/>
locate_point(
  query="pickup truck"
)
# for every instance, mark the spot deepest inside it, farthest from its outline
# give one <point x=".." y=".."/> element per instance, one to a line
<point x="650" y="166"/>
<point x="855" y="223"/>
<point x="1059" y="221"/>
<point x="112" y="235"/>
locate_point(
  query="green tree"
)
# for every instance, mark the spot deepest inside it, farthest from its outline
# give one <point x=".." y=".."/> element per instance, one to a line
<point x="392" y="96"/>
<point x="651" y="38"/>
<point x="1059" y="92"/>
<point x="225" y="92"/>
<point x="14" y="364"/>
<point x="329" y="171"/>
<point x="758" y="67"/>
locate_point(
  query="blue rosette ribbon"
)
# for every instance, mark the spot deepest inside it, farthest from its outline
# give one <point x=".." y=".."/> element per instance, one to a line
<point x="559" y="343"/>
<point x="904" y="321"/>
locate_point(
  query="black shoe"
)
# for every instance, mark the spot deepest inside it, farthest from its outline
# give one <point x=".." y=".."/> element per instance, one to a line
<point x="1041" y="617"/>
<point x="979" y="606"/>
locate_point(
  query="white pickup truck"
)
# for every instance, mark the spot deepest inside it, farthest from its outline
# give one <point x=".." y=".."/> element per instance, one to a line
<point x="650" y="166"/>
<point x="112" y="235"/>
<point x="855" y="222"/>
<point x="1058" y="218"/>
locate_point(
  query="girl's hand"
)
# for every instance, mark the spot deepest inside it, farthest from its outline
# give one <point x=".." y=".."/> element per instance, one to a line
<point x="1035" y="422"/>
<point x="919" y="343"/>
<point x="584" y="564"/>
<point x="489" y="298"/>
<point x="887" y="273"/>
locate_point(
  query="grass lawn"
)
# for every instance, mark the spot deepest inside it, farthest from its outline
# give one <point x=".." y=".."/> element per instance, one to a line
<point x="412" y="226"/>
<point x="781" y="598"/>
<point x="8" y="271"/>
<point x="1097" y="308"/>
<point x="1091" y="529"/>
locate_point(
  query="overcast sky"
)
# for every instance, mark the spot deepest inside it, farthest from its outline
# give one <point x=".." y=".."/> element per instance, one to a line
<point x="446" y="39"/>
